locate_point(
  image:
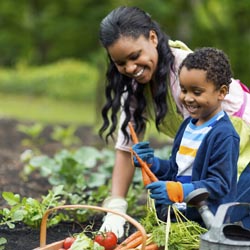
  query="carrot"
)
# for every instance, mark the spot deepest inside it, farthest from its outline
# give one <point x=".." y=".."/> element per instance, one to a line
<point x="152" y="246"/>
<point x="130" y="238"/>
<point x="144" y="166"/>
<point x="132" y="133"/>
<point x="147" y="175"/>
<point x="133" y="244"/>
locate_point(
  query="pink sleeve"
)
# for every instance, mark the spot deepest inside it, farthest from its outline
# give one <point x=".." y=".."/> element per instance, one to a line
<point x="237" y="101"/>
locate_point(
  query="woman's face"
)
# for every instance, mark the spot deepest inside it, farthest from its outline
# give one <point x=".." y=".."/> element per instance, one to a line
<point x="136" y="58"/>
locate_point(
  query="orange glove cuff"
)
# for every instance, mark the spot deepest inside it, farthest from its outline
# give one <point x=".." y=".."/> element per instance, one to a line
<point x="175" y="191"/>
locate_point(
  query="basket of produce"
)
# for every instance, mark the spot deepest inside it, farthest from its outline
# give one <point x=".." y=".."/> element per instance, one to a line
<point x="98" y="241"/>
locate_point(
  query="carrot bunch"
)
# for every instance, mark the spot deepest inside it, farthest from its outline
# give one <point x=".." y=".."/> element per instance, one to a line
<point x="147" y="175"/>
<point x="134" y="241"/>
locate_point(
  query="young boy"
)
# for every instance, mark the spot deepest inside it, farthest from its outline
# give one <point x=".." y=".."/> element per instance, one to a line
<point x="206" y="147"/>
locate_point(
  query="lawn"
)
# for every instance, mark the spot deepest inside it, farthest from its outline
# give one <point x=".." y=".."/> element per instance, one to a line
<point x="44" y="110"/>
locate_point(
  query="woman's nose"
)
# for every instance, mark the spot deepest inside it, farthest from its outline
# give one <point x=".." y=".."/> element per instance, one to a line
<point x="130" y="68"/>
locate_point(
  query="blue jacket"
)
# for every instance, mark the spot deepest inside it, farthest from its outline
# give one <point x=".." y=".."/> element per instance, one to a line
<point x="215" y="165"/>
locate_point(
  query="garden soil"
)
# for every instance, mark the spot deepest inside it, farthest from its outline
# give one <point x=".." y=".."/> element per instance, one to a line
<point x="11" y="147"/>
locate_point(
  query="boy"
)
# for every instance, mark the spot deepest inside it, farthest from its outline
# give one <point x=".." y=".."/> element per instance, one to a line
<point x="206" y="147"/>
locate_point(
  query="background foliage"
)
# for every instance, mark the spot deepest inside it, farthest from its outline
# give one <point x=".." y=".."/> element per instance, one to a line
<point x="51" y="48"/>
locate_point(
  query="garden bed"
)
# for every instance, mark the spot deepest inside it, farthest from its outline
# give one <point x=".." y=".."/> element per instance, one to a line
<point x="11" y="148"/>
<point x="23" y="237"/>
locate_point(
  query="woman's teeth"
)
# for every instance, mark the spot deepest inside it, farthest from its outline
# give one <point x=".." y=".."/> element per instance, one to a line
<point x="139" y="73"/>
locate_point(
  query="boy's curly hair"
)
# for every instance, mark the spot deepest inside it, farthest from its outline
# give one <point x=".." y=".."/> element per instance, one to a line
<point x="214" y="61"/>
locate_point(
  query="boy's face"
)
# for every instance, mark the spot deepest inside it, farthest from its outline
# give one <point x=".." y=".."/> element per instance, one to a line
<point x="136" y="58"/>
<point x="199" y="96"/>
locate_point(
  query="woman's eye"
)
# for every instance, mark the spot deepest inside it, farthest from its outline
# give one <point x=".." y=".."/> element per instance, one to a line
<point x="119" y="64"/>
<point x="134" y="56"/>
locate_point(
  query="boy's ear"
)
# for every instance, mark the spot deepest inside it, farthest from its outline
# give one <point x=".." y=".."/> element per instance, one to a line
<point x="223" y="91"/>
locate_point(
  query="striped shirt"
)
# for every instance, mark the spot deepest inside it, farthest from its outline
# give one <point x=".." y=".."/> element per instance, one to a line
<point x="190" y="143"/>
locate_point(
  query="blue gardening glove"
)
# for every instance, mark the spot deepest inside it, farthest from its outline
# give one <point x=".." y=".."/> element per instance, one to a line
<point x="144" y="151"/>
<point x="169" y="192"/>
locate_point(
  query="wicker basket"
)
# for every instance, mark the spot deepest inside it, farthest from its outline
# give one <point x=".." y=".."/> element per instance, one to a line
<point x="57" y="245"/>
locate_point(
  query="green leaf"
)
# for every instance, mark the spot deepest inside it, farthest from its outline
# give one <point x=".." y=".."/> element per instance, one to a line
<point x="38" y="161"/>
<point x="97" y="180"/>
<point x="63" y="154"/>
<point x="36" y="217"/>
<point x="11" y="198"/>
<point x="2" y="241"/>
<point x="87" y="156"/>
<point x="18" y="215"/>
<point x="10" y="224"/>
<point x="58" y="190"/>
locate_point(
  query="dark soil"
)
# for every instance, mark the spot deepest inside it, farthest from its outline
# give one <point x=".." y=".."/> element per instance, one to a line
<point x="11" y="147"/>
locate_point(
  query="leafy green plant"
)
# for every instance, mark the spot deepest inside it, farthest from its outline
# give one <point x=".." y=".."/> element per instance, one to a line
<point x="84" y="173"/>
<point x="65" y="135"/>
<point x="3" y="241"/>
<point x="33" y="133"/>
<point x="73" y="169"/>
<point x="30" y="211"/>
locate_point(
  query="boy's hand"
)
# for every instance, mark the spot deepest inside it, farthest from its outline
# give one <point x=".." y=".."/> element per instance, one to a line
<point x="169" y="192"/>
<point x="144" y="151"/>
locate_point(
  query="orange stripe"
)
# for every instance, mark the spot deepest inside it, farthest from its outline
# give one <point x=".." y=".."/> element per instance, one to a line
<point x="187" y="151"/>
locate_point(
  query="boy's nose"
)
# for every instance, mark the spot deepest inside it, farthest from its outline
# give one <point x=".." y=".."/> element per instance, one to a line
<point x="188" y="98"/>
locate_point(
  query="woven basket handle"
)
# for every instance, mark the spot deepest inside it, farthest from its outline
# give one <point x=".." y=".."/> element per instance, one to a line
<point x="43" y="227"/>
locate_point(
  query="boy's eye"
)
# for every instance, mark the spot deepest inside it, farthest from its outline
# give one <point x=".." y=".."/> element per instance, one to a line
<point x="183" y="90"/>
<point x="197" y="92"/>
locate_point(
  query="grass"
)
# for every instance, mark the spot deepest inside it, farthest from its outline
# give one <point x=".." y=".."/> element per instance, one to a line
<point x="44" y="110"/>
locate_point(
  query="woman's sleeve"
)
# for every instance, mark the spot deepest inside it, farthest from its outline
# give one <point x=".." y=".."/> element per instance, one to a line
<point x="237" y="101"/>
<point x="237" y="106"/>
<point x="121" y="142"/>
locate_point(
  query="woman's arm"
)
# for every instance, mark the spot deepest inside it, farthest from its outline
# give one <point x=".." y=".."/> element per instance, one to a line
<point x="122" y="177"/>
<point x="123" y="173"/>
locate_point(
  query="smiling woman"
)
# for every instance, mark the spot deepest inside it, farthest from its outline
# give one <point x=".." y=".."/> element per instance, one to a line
<point x="136" y="58"/>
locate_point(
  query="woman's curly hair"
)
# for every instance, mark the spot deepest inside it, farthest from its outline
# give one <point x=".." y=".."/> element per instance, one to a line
<point x="133" y="22"/>
<point x="214" y="61"/>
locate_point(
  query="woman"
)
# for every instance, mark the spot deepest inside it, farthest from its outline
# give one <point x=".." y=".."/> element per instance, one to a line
<point x="142" y="82"/>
